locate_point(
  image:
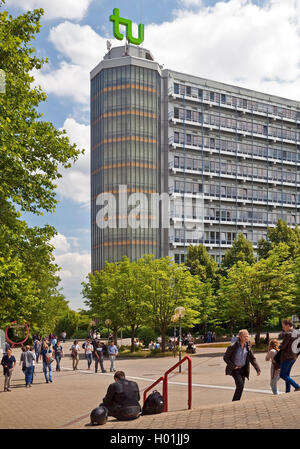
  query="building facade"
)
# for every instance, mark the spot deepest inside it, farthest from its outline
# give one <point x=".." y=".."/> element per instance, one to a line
<point x="226" y="156"/>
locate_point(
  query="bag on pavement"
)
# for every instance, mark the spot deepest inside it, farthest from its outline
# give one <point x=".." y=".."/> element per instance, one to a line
<point x="154" y="404"/>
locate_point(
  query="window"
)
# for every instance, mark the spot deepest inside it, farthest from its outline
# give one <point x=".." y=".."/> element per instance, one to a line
<point x="212" y="96"/>
<point x="200" y="93"/>
<point x="176" y="137"/>
<point x="176" y="88"/>
<point x="223" y="98"/>
<point x="189" y="139"/>
<point x="176" y="162"/>
<point x="189" y="115"/>
<point x="176" y="113"/>
<point x="188" y="91"/>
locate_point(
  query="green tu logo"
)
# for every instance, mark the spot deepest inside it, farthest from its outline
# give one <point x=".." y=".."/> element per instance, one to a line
<point x="117" y="21"/>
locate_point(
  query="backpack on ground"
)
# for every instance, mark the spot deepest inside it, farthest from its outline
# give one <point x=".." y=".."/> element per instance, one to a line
<point x="154" y="404"/>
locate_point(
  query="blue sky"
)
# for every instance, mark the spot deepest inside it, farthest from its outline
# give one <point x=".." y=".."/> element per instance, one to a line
<point x="254" y="44"/>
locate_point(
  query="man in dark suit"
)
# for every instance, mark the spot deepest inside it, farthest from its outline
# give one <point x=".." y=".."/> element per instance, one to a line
<point x="238" y="357"/>
<point x="122" y="398"/>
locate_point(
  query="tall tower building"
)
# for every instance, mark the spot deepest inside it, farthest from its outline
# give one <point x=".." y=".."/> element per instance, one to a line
<point x="160" y="131"/>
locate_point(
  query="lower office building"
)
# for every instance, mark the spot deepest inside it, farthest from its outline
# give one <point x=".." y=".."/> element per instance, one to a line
<point x="232" y="150"/>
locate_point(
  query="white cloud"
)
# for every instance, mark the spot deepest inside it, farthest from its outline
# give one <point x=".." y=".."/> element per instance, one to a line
<point x="60" y="243"/>
<point x="75" y="266"/>
<point x="67" y="9"/>
<point x="237" y="42"/>
<point x="75" y="181"/>
<point x="84" y="49"/>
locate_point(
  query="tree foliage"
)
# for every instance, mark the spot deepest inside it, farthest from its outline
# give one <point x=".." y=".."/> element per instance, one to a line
<point x="32" y="153"/>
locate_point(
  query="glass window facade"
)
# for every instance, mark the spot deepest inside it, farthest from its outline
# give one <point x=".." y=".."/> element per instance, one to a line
<point x="125" y="147"/>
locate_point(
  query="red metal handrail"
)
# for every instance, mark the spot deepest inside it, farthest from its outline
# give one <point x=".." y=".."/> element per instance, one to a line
<point x="165" y="382"/>
<point x="152" y="386"/>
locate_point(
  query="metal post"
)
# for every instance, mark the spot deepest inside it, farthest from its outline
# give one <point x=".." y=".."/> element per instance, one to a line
<point x="174" y="349"/>
<point x="179" y="342"/>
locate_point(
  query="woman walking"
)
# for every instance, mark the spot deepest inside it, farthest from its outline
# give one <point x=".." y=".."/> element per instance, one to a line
<point x="75" y="354"/>
<point x="46" y="354"/>
<point x="287" y="356"/>
<point x="275" y="367"/>
<point x="8" y="362"/>
<point x="89" y="353"/>
<point x="58" y="354"/>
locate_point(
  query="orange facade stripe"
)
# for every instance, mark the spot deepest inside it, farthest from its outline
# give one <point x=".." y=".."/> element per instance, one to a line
<point x="125" y="112"/>
<point x="127" y="242"/>
<point x="124" y="164"/>
<point x="124" y="86"/>
<point x="124" y="139"/>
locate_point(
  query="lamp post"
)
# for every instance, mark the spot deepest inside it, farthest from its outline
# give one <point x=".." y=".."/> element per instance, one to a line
<point x="174" y="319"/>
<point x="180" y="312"/>
<point x="108" y="323"/>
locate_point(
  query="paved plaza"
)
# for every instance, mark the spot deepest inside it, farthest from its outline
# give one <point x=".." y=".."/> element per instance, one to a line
<point x="67" y="402"/>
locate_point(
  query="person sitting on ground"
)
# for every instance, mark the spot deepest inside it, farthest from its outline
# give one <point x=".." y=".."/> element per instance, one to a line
<point x="191" y="348"/>
<point x="122" y="398"/>
<point x="151" y="345"/>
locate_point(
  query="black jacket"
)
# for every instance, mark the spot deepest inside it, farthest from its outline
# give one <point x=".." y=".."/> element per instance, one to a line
<point x="122" y="393"/>
<point x="230" y="355"/>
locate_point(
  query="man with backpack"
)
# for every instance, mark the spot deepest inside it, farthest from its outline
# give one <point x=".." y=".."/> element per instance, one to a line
<point x="122" y="398"/>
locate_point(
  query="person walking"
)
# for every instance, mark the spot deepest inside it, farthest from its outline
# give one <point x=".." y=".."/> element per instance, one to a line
<point x="8" y="362"/>
<point x="75" y="354"/>
<point x="27" y="358"/>
<point x="275" y="367"/>
<point x="238" y="357"/>
<point x="46" y="355"/>
<point x="99" y="357"/>
<point x="33" y="363"/>
<point x="58" y="354"/>
<point x="287" y="355"/>
<point x="112" y="352"/>
<point x="37" y="349"/>
<point x="6" y="347"/>
<point x="88" y="349"/>
<point x="63" y="336"/>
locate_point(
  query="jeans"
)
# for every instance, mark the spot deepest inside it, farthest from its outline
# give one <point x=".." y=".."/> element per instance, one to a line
<point x="112" y="359"/>
<point x="273" y="383"/>
<point x="28" y="375"/>
<point x="47" y="367"/>
<point x="285" y="369"/>
<point x="37" y="354"/>
<point x="89" y="358"/>
<point x="97" y="361"/>
<point x="58" y="359"/>
<point x="239" y="377"/>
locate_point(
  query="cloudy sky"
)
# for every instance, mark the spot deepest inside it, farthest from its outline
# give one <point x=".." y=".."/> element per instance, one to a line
<point x="254" y="44"/>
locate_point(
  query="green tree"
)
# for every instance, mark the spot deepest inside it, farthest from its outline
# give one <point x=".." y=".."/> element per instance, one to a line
<point x="172" y="285"/>
<point x="241" y="250"/>
<point x="281" y="233"/>
<point x="260" y="292"/>
<point x="32" y="153"/>
<point x="201" y="264"/>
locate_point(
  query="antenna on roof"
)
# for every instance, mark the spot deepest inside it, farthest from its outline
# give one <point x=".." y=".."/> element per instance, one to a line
<point x="108" y="45"/>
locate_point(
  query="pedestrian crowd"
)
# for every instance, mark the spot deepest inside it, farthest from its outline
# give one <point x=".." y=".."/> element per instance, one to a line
<point x="238" y="357"/>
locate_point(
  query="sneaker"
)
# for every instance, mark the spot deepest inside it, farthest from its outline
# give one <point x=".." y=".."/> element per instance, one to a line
<point x="50" y="380"/>
<point x="8" y="389"/>
<point x="104" y="371"/>
<point x="29" y="385"/>
<point x="114" y="370"/>
<point x="47" y="382"/>
<point x="297" y="389"/>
